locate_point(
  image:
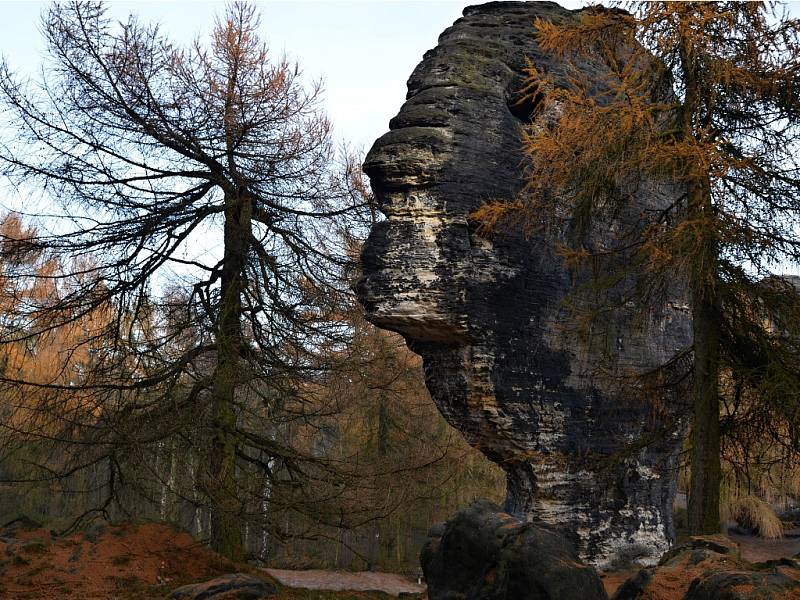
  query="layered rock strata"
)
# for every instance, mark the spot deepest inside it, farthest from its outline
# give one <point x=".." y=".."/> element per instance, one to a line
<point x="490" y="315"/>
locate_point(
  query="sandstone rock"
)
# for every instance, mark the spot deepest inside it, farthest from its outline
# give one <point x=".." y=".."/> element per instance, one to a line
<point x="744" y="585"/>
<point x="711" y="568"/>
<point x="489" y="316"/>
<point x="484" y="554"/>
<point x="680" y="567"/>
<point x="237" y="586"/>
<point x="702" y="547"/>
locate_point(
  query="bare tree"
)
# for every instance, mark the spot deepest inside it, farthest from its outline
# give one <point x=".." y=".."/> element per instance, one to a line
<point x="147" y="150"/>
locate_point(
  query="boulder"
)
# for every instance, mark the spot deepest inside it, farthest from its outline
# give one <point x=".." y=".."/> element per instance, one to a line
<point x="484" y="554"/>
<point x="634" y="588"/>
<point x="490" y="314"/>
<point x="746" y="585"/>
<point x="711" y="568"/>
<point x="237" y="586"/>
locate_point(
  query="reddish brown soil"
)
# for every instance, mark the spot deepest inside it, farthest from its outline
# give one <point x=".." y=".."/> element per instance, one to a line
<point x="672" y="583"/>
<point x="122" y="561"/>
<point x="147" y="562"/>
<point x="144" y="562"/>
<point x="672" y="580"/>
<point x="613" y="579"/>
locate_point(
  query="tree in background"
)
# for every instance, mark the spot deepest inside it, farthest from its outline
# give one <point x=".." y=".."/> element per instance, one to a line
<point x="58" y="359"/>
<point x="151" y="150"/>
<point x="399" y="468"/>
<point x="408" y="469"/>
<point x="703" y="98"/>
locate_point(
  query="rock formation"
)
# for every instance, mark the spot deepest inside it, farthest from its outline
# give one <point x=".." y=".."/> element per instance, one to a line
<point x="712" y="568"/>
<point x="489" y="316"/>
<point x="482" y="554"/>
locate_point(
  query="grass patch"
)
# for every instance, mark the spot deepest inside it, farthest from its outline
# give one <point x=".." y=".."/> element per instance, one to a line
<point x="755" y="515"/>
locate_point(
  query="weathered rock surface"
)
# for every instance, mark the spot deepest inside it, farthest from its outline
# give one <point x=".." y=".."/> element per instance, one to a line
<point x="488" y="316"/>
<point x="711" y="568"/>
<point x="237" y="586"/>
<point x="744" y="585"/>
<point x="484" y="554"/>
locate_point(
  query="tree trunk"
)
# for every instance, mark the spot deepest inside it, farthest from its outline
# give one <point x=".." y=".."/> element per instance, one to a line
<point x="704" y="488"/>
<point x="226" y="521"/>
<point x="704" y="484"/>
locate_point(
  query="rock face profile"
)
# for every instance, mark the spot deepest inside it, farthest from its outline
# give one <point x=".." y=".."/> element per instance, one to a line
<point x="490" y="315"/>
<point x="481" y="554"/>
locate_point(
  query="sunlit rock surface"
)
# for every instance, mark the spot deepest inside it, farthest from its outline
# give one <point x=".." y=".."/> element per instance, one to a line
<point x="489" y="316"/>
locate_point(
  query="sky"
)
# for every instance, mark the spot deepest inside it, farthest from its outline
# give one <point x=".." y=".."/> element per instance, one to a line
<point x="363" y="51"/>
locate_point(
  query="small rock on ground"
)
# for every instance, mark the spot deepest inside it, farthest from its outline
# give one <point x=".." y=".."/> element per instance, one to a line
<point x="237" y="586"/>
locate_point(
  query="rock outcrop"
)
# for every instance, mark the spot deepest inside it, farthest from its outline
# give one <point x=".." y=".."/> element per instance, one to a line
<point x="489" y="316"/>
<point x="482" y="554"/>
<point x="711" y="568"/>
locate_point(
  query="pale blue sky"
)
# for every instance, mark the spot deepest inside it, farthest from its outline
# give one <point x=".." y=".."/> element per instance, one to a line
<point x="363" y="50"/>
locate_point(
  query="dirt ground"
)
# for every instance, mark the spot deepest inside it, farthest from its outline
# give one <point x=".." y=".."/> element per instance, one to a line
<point x="673" y="582"/>
<point x="756" y="549"/>
<point x="112" y="562"/>
<point x="147" y="561"/>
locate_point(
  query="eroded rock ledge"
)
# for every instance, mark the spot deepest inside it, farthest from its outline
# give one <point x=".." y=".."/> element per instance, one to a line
<point x="488" y="316"/>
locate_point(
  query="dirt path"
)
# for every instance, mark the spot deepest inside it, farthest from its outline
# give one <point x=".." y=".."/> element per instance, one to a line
<point x="364" y="581"/>
<point x="756" y="549"/>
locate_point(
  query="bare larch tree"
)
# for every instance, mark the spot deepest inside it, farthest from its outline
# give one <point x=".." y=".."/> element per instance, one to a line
<point x="146" y="150"/>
